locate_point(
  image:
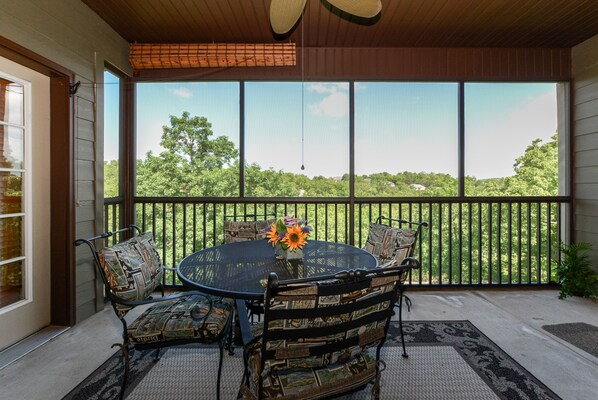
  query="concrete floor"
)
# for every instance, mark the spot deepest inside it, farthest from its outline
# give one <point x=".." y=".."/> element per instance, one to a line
<point x="511" y="318"/>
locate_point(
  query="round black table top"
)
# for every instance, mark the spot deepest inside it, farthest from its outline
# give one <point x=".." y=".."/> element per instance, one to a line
<point x="239" y="270"/>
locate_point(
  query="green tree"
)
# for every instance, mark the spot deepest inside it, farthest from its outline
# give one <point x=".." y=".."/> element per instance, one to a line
<point x="111" y="178"/>
<point x="536" y="173"/>
<point x="193" y="163"/>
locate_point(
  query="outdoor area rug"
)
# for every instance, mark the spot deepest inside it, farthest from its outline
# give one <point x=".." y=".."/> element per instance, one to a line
<point x="579" y="334"/>
<point x="447" y="360"/>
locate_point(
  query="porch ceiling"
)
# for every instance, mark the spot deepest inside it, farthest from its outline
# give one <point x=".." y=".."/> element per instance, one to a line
<point x="402" y="23"/>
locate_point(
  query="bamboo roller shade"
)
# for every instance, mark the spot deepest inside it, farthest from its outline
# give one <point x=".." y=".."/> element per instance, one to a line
<point x="156" y="56"/>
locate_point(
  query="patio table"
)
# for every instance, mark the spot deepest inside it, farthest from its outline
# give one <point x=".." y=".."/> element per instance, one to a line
<point x="239" y="270"/>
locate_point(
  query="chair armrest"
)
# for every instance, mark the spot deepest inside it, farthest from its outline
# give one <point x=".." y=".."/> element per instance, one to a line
<point x="136" y="303"/>
<point x="410" y="263"/>
<point x="244" y="326"/>
<point x="164" y="267"/>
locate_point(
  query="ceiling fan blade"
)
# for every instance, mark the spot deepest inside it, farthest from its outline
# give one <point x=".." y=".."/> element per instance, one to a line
<point x="284" y="14"/>
<point x="359" y="8"/>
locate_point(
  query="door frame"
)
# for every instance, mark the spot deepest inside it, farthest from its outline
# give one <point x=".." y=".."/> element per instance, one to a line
<point x="62" y="175"/>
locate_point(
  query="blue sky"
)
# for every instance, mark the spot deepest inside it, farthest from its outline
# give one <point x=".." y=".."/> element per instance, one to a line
<point x="399" y="126"/>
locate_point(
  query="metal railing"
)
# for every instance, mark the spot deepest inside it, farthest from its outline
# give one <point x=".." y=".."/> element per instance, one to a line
<point x="468" y="241"/>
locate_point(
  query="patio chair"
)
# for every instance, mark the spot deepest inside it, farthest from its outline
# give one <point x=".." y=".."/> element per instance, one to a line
<point x="242" y="227"/>
<point x="394" y="246"/>
<point x="321" y="337"/>
<point x="131" y="271"/>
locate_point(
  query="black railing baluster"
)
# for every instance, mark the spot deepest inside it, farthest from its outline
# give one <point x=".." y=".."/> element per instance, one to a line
<point x="510" y="244"/>
<point x="538" y="244"/>
<point x="519" y="242"/>
<point x="174" y="241"/>
<point x="529" y="243"/>
<point x="336" y="222"/>
<point x="184" y="233"/>
<point x="440" y="280"/>
<point x="460" y="246"/>
<point x="480" y="244"/>
<point x="549" y="242"/>
<point x="430" y="242"/>
<point x="490" y="237"/>
<point x="499" y="242"/>
<point x="204" y="226"/>
<point x="470" y="255"/>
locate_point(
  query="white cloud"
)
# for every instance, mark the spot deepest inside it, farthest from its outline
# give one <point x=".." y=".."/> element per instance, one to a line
<point x="494" y="147"/>
<point x="334" y="105"/>
<point x="182" y="92"/>
<point x="327" y="87"/>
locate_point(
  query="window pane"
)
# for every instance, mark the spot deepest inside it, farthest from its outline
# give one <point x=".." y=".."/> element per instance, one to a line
<point x="11" y="192"/>
<point x="111" y="133"/>
<point x="11" y="242"/>
<point x="11" y="283"/>
<point x="11" y="102"/>
<point x="510" y="139"/>
<point x="188" y="139"/>
<point x="297" y="139"/>
<point x="406" y="139"/>
<point x="11" y="147"/>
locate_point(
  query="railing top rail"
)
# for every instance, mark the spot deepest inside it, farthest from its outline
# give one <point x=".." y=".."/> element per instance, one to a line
<point x="356" y="200"/>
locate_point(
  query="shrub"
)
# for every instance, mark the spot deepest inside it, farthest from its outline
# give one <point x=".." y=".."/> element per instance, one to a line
<point x="574" y="272"/>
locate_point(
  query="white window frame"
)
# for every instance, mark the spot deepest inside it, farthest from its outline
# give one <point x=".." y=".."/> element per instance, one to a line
<point x="27" y="273"/>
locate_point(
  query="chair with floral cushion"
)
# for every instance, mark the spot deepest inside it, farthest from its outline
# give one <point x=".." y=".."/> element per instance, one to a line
<point x="321" y="337"/>
<point x="131" y="270"/>
<point x="395" y="246"/>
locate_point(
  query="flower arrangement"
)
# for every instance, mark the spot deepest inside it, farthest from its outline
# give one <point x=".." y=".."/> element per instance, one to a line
<point x="289" y="232"/>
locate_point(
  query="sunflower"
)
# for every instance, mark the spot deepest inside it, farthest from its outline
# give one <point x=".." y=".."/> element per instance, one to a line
<point x="272" y="235"/>
<point x="294" y="238"/>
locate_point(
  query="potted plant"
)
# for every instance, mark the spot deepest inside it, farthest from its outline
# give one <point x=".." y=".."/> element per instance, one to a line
<point x="288" y="235"/>
<point x="574" y="271"/>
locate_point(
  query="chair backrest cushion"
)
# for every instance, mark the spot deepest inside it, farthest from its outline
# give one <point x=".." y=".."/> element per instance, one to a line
<point x="240" y="231"/>
<point x="390" y="245"/>
<point x="132" y="268"/>
<point x="325" y="322"/>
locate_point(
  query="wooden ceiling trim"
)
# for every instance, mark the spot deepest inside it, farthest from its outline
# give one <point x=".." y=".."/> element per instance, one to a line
<point x="427" y="64"/>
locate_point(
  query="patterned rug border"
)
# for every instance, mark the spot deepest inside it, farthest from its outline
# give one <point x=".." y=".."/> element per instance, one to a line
<point x="530" y="382"/>
<point x="505" y="376"/>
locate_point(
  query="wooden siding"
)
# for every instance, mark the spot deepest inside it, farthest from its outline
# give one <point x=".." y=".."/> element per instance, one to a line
<point x="585" y="147"/>
<point x="59" y="30"/>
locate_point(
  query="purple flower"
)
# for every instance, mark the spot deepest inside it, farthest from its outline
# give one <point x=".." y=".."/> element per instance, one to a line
<point x="289" y="221"/>
<point x="306" y="229"/>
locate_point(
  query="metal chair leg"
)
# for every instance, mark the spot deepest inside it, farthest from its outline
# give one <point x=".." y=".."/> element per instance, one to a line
<point x="125" y="354"/>
<point x="221" y="348"/>
<point x="401" y="325"/>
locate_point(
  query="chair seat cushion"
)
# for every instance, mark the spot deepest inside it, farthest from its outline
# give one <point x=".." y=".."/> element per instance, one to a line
<point x="312" y="383"/>
<point x="194" y="317"/>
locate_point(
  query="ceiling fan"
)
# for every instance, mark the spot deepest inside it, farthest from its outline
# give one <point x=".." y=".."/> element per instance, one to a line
<point x="284" y="14"/>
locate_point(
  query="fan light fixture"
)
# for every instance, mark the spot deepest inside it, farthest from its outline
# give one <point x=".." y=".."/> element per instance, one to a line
<point x="284" y="14"/>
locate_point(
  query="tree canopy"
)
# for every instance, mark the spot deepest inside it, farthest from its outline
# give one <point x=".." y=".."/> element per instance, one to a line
<point x="195" y="163"/>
